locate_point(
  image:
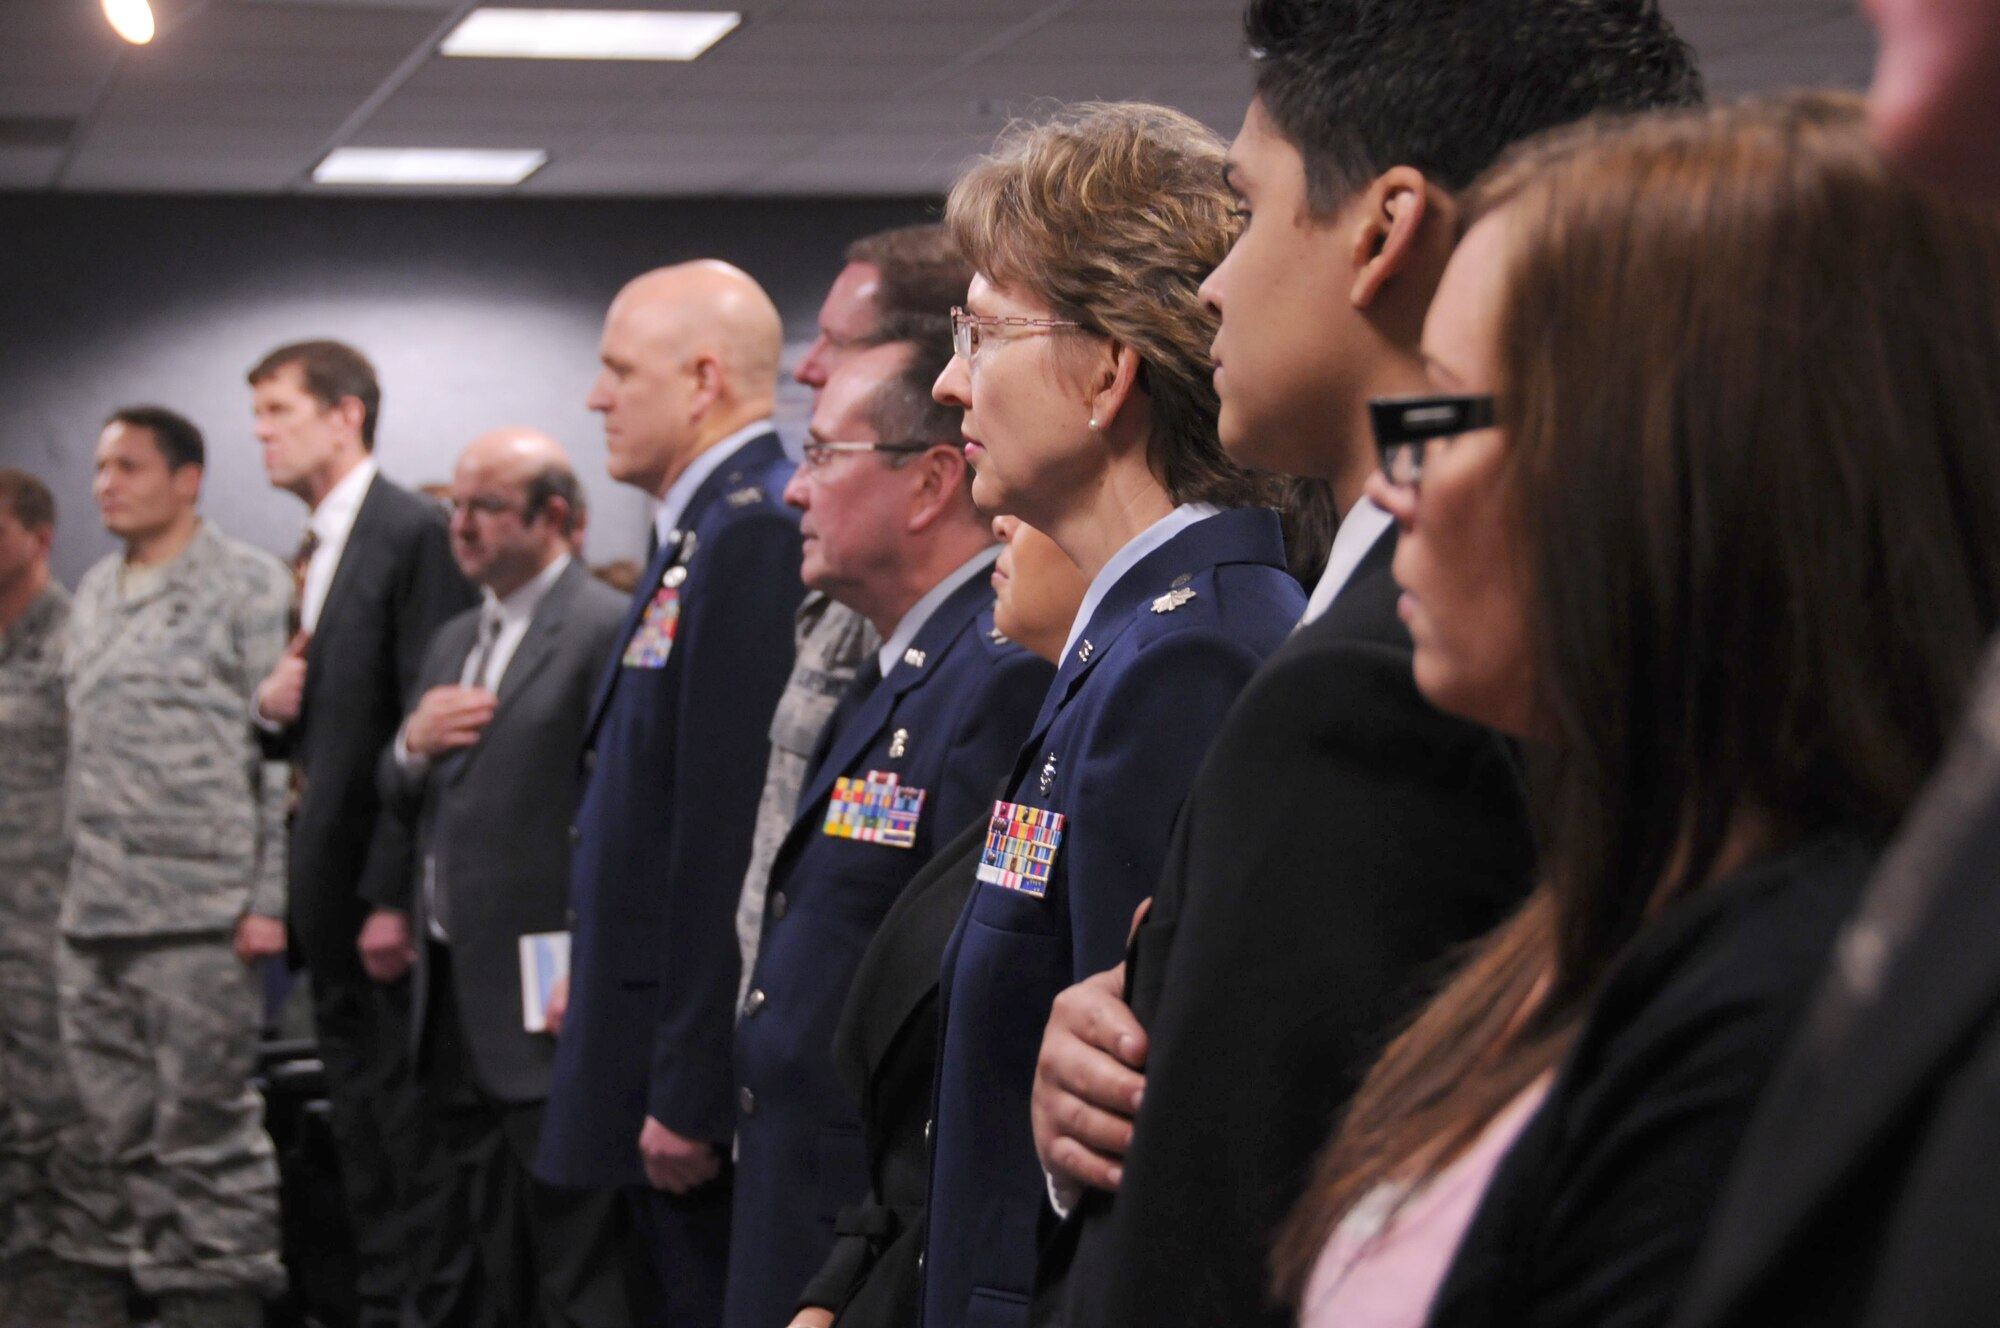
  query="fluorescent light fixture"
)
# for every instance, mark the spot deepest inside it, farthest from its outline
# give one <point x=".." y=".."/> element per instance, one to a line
<point x="587" y="34"/>
<point x="432" y="166"/>
<point x="131" y="19"/>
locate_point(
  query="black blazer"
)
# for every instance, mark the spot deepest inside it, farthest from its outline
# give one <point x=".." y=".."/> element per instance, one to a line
<point x="395" y="585"/>
<point x="496" y="817"/>
<point x="1593" y="1218"/>
<point x="1341" y="837"/>
<point x="1865" y="1189"/>
<point x="885" y="1049"/>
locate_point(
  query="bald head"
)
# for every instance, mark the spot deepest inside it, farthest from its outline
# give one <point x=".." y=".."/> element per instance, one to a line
<point x="690" y="356"/>
<point x="515" y="499"/>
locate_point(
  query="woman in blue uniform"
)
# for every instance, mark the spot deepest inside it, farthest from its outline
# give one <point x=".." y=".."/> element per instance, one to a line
<point x="1090" y="413"/>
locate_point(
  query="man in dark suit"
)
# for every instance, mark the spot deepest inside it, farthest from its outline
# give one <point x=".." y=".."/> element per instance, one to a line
<point x="376" y="579"/>
<point x="912" y="754"/>
<point x="1342" y="837"/>
<point x="483" y="775"/>
<point x="643" y="1097"/>
<point x="1863" y="1193"/>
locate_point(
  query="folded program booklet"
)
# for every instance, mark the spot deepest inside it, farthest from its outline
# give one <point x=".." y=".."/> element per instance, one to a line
<point x="544" y="960"/>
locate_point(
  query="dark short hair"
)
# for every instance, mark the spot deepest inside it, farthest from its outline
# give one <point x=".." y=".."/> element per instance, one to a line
<point x="333" y="371"/>
<point x="1360" y="86"/>
<point x="28" y="498"/>
<point x="554" y="481"/>
<point x="923" y="276"/>
<point x="175" y="435"/>
<point x="903" y="409"/>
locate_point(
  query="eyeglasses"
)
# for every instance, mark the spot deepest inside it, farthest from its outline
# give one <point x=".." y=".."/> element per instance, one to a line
<point x="481" y="506"/>
<point x="817" y="453"/>
<point x="1403" y="425"/>
<point x="966" y="328"/>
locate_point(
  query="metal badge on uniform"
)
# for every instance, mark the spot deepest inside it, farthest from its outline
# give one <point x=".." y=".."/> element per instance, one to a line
<point x="877" y="810"/>
<point x="1172" y="600"/>
<point x="744" y="497"/>
<point x="899" y="743"/>
<point x="653" y="641"/>
<point x="914" y="657"/>
<point x="1020" y="850"/>
<point x="1048" y="778"/>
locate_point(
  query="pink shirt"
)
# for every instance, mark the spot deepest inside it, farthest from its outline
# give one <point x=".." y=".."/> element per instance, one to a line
<point x="1383" y="1264"/>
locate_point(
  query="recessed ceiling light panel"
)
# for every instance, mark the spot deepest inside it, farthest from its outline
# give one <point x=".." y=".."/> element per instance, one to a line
<point x="428" y="166"/>
<point x="587" y="34"/>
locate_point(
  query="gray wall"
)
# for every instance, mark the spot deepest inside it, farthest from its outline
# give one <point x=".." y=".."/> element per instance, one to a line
<point x="476" y="313"/>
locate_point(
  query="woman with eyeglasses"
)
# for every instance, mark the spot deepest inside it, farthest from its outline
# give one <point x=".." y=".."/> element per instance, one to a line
<point x="1090" y="414"/>
<point x="1706" y="510"/>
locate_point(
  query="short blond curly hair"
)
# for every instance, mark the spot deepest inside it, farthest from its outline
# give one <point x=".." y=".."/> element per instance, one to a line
<point x="1113" y="213"/>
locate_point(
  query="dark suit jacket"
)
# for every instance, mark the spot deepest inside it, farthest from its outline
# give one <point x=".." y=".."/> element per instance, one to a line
<point x="1865" y="1189"/>
<point x="395" y="585"/>
<point x="885" y="1051"/>
<point x="1113" y="751"/>
<point x="496" y="818"/>
<point x="1341" y="838"/>
<point x="1593" y="1218"/>
<point x="674" y="762"/>
<point x="948" y="719"/>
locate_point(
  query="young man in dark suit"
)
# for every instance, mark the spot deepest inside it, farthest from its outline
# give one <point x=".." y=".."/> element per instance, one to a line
<point x="911" y="756"/>
<point x="1342" y="836"/>
<point x="643" y="1097"/>
<point x="1863" y="1193"/>
<point x="483" y="775"/>
<point x="376" y="579"/>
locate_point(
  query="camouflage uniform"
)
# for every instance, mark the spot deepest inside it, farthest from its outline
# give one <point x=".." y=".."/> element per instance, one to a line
<point x="58" y="1204"/>
<point x="178" y="828"/>
<point x="831" y="641"/>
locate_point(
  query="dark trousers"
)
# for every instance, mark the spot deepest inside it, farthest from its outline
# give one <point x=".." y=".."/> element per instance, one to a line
<point x="393" y="1173"/>
<point x="526" y="1254"/>
<point x="686" y="1237"/>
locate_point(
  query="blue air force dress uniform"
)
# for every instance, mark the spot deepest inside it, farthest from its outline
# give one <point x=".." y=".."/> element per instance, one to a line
<point x="917" y="761"/>
<point x="674" y="756"/>
<point x="1172" y="629"/>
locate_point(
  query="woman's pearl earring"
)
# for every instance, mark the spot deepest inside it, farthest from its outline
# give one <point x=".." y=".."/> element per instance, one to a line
<point x="1093" y="424"/>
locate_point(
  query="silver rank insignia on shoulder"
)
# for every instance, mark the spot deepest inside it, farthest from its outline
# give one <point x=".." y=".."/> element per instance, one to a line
<point x="899" y="742"/>
<point x="744" y="497"/>
<point x="1084" y="652"/>
<point x="914" y="657"/>
<point x="674" y="576"/>
<point x="1048" y="774"/>
<point x="1172" y="600"/>
<point x="996" y="636"/>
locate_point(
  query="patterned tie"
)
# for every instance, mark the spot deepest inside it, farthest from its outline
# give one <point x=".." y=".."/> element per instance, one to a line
<point x="481" y="659"/>
<point x="301" y="561"/>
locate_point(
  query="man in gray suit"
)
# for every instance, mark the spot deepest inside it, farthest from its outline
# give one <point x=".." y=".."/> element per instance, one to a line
<point x="483" y="778"/>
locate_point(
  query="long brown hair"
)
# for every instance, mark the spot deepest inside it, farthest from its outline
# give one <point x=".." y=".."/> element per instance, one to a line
<point x="1751" y="385"/>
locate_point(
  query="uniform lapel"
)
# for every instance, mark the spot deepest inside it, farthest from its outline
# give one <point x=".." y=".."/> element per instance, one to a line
<point x="666" y="556"/>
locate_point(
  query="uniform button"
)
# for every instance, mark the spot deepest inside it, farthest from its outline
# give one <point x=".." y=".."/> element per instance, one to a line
<point x="746" y="1101"/>
<point x="780" y="905"/>
<point x="753" y="1002"/>
<point x="569" y="919"/>
<point x="920" y="1261"/>
<point x="575" y="835"/>
<point x="930" y="1127"/>
<point x="589" y="761"/>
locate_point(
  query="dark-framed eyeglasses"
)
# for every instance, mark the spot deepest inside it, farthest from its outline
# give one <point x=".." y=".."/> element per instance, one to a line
<point x="968" y="330"/>
<point x="818" y="453"/>
<point x="1403" y="425"/>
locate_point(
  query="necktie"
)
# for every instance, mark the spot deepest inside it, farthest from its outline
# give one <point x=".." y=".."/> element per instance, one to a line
<point x="480" y="662"/>
<point x="866" y="679"/>
<point x="301" y="561"/>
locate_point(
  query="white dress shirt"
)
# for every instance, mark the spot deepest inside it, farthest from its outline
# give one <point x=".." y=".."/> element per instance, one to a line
<point x="673" y="504"/>
<point x="920" y="613"/>
<point x="1365" y="524"/>
<point x="332" y="522"/>
<point x="1123" y="561"/>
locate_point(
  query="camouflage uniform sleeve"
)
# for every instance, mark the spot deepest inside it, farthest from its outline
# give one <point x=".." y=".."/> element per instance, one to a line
<point x="260" y="642"/>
